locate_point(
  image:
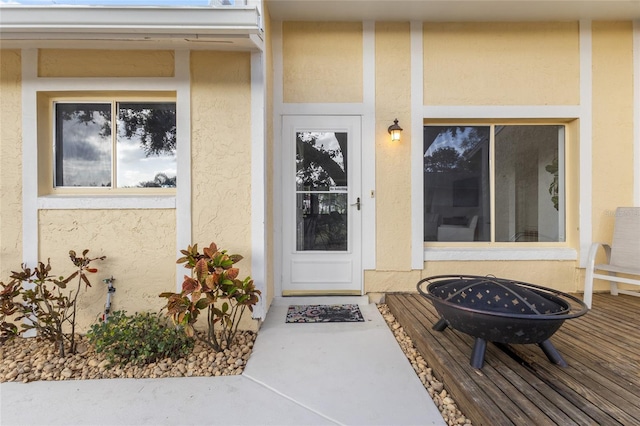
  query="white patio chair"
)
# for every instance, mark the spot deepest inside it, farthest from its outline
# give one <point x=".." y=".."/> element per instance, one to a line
<point x="623" y="255"/>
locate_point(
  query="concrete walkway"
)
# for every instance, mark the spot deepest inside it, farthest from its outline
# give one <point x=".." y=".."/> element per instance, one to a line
<point x="298" y="374"/>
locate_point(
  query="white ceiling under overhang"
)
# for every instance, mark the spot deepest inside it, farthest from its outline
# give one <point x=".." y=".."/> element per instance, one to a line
<point x="133" y="27"/>
<point x="453" y="10"/>
<point x="240" y="28"/>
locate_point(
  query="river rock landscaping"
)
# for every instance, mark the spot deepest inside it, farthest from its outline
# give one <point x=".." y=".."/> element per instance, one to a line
<point x="31" y="359"/>
<point x="447" y="406"/>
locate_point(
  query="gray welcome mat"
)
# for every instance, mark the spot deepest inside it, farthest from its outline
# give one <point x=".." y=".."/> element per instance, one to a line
<point x="324" y="313"/>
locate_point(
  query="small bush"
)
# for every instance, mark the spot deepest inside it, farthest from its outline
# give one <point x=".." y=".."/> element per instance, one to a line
<point x="35" y="300"/>
<point x="139" y="339"/>
<point x="214" y="285"/>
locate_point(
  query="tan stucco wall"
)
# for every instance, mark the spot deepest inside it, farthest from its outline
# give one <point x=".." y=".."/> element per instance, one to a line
<point x="105" y="63"/>
<point x="612" y="123"/>
<point x="322" y="62"/>
<point x="465" y="64"/>
<point x="393" y="177"/>
<point x="221" y="151"/>
<point x="10" y="163"/>
<point x="498" y="63"/>
<point x="140" y="249"/>
<point x="612" y="150"/>
<point x="561" y="275"/>
<point x="140" y="244"/>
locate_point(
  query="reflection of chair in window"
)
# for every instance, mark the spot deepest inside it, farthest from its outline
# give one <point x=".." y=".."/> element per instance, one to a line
<point x="431" y="222"/>
<point x="458" y="232"/>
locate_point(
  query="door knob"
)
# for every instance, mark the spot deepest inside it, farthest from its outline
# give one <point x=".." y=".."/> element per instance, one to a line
<point x="357" y="203"/>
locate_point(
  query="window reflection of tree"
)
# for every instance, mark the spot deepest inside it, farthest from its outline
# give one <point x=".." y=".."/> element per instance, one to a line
<point x="153" y="123"/>
<point x="321" y="160"/>
<point x="161" y="180"/>
<point x="447" y="157"/>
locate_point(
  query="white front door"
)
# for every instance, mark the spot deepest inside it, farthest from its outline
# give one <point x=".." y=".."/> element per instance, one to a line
<point x="321" y="205"/>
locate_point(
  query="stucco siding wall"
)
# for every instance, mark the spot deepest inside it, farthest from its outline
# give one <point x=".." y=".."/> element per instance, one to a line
<point x="140" y="244"/>
<point x="612" y="151"/>
<point x="322" y="62"/>
<point x="555" y="274"/>
<point x="393" y="183"/>
<point x="499" y="63"/>
<point x="464" y="64"/>
<point x="221" y="152"/>
<point x="105" y="63"/>
<point x="140" y="249"/>
<point x="10" y="162"/>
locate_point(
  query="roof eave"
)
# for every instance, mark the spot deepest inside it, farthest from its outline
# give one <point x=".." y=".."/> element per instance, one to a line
<point x="33" y="24"/>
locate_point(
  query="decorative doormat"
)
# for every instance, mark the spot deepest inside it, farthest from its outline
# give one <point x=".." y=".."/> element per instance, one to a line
<point x="324" y="313"/>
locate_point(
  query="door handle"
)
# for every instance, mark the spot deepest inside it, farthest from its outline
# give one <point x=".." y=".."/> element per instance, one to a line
<point x="357" y="203"/>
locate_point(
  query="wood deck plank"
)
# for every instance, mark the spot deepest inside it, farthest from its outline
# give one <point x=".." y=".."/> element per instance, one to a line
<point x="560" y="410"/>
<point x="447" y="369"/>
<point x="499" y="394"/>
<point x="519" y="386"/>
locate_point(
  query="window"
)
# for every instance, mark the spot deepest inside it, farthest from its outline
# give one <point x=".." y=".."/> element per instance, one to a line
<point x="136" y="150"/>
<point x="494" y="183"/>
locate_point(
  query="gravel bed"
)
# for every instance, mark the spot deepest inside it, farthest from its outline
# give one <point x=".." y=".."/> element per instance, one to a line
<point x="30" y="359"/>
<point x="447" y="406"/>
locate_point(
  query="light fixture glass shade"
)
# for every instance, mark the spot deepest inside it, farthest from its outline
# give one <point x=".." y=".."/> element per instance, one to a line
<point x="394" y="131"/>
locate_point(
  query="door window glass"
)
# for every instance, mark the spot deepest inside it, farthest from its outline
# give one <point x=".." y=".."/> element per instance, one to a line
<point x="321" y="191"/>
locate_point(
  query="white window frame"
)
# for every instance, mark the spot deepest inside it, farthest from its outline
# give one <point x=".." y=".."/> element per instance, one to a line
<point x="113" y="101"/>
<point x="491" y="164"/>
<point x="484" y="251"/>
<point x="32" y="203"/>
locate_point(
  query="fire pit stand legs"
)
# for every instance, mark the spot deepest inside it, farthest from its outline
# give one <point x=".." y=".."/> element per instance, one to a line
<point x="440" y="325"/>
<point x="477" y="355"/>
<point x="480" y="347"/>
<point x="552" y="353"/>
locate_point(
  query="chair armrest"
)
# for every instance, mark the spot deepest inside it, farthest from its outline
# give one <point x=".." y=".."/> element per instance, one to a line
<point x="593" y="252"/>
<point x="591" y="261"/>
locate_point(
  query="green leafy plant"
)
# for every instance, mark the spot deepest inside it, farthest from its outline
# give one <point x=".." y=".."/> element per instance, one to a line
<point x="8" y="310"/>
<point x="214" y="287"/>
<point x="139" y="339"/>
<point x="35" y="298"/>
<point x="553" y="186"/>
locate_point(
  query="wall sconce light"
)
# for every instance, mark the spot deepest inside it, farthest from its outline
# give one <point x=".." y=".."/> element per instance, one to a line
<point x="394" y="131"/>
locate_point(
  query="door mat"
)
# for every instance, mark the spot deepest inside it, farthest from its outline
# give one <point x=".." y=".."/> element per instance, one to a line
<point x="324" y="313"/>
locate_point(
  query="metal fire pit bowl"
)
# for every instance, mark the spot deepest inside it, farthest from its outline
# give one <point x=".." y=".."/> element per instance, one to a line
<point x="500" y="310"/>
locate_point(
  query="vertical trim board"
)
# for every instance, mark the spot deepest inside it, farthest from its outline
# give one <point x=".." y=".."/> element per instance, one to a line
<point x="636" y="112"/>
<point x="586" y="143"/>
<point x="417" y="118"/>
<point x="30" y="241"/>
<point x="258" y="179"/>
<point x="368" y="147"/>
<point x="276" y="46"/>
<point x="183" y="124"/>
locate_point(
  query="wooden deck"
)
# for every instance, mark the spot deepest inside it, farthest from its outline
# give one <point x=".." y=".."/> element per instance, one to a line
<point x="519" y="386"/>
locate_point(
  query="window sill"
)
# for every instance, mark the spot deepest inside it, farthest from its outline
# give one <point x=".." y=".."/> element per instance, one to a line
<point x="106" y="202"/>
<point x="524" y="253"/>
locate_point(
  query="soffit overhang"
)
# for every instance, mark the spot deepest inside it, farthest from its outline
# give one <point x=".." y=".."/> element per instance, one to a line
<point x="453" y="10"/>
<point x="130" y="27"/>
